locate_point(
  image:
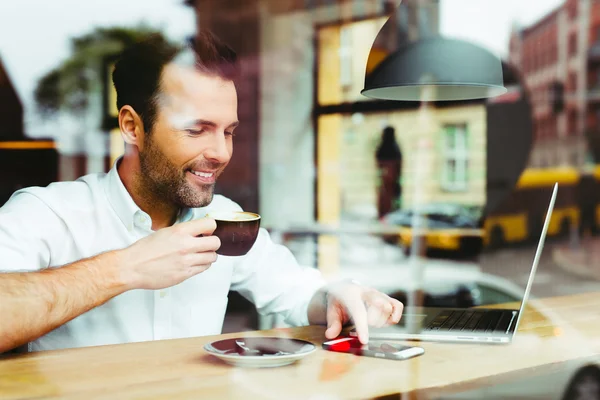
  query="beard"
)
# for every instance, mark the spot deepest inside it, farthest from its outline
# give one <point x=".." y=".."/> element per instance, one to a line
<point x="163" y="181"/>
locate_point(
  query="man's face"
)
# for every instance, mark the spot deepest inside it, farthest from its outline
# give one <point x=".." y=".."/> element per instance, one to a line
<point x="191" y="142"/>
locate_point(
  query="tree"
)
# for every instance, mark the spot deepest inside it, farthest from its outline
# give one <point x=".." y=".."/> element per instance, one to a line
<point x="67" y="86"/>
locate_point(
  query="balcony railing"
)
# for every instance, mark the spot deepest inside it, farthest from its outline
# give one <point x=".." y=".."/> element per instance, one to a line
<point x="593" y="93"/>
<point x="594" y="52"/>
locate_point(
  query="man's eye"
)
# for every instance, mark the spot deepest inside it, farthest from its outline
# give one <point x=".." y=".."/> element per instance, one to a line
<point x="195" y="131"/>
<point x="230" y="133"/>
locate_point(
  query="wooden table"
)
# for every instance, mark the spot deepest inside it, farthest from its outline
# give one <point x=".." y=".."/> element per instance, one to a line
<point x="554" y="330"/>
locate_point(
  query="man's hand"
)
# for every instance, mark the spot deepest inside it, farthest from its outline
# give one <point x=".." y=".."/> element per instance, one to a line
<point x="163" y="259"/>
<point x="351" y="302"/>
<point x="170" y="255"/>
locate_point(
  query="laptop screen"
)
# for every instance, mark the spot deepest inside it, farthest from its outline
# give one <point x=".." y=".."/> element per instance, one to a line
<point x="538" y="253"/>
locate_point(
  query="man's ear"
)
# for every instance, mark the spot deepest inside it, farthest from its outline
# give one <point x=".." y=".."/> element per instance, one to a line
<point x="132" y="127"/>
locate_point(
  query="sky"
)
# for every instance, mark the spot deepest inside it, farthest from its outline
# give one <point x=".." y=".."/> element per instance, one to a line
<point x="34" y="34"/>
<point x="489" y="22"/>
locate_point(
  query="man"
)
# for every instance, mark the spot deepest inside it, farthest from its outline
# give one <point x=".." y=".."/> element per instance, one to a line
<point x="129" y="256"/>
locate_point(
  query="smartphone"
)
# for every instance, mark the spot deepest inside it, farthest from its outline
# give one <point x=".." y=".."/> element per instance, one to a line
<point x="378" y="349"/>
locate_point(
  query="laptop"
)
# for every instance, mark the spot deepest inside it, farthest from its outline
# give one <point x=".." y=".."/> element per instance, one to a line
<point x="487" y="325"/>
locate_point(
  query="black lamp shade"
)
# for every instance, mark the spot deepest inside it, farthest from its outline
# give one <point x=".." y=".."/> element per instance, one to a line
<point x="451" y="69"/>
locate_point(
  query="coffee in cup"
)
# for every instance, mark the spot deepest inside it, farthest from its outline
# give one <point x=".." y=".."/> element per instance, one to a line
<point x="237" y="231"/>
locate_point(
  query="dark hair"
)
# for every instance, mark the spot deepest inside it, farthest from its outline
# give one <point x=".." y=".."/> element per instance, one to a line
<point x="388" y="148"/>
<point x="138" y="70"/>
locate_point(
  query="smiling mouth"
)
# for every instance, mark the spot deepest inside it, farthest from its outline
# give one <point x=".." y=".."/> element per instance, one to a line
<point x="203" y="177"/>
<point x="203" y="174"/>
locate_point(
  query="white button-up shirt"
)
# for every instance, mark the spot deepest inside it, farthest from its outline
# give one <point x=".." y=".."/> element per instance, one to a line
<point x="67" y="221"/>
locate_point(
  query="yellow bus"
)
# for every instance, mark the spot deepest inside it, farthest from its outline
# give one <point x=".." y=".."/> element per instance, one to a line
<point x="521" y="215"/>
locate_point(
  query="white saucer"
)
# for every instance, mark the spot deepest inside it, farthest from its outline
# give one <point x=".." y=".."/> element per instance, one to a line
<point x="260" y="352"/>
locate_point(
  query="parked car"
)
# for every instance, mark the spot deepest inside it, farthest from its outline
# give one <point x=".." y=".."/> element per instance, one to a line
<point x="448" y="229"/>
<point x="571" y="381"/>
<point x="445" y="283"/>
<point x="462" y="284"/>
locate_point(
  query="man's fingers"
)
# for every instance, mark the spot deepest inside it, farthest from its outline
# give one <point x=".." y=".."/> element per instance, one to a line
<point x="205" y="244"/>
<point x="377" y="317"/>
<point x="202" y="226"/>
<point x="334" y="329"/>
<point x="381" y="309"/>
<point x="197" y="269"/>
<point x="378" y="311"/>
<point x="397" y="313"/>
<point x="195" y="260"/>
<point x="334" y="321"/>
<point x="358" y="313"/>
<point x="365" y="307"/>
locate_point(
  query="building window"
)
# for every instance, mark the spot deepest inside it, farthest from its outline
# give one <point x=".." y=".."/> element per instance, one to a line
<point x="455" y="158"/>
<point x="572" y="45"/>
<point x="571" y="123"/>
<point x="572" y="82"/>
<point x="346" y="56"/>
<point x="572" y="9"/>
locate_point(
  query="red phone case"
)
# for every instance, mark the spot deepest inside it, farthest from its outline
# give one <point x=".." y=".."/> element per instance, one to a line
<point x="352" y="345"/>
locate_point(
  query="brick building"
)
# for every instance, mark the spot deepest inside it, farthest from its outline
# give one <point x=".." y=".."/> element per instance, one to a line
<point x="561" y="53"/>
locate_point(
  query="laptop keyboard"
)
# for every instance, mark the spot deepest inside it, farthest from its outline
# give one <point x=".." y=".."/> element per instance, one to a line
<point x="471" y="321"/>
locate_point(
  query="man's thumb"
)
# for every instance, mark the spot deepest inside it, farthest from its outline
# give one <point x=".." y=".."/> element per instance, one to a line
<point x="333" y="328"/>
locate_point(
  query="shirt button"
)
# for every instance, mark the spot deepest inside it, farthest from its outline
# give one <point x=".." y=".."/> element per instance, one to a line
<point x="163" y="294"/>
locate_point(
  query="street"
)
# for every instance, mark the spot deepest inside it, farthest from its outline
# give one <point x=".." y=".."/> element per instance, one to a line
<point x="514" y="264"/>
<point x="376" y="263"/>
<point x="365" y="252"/>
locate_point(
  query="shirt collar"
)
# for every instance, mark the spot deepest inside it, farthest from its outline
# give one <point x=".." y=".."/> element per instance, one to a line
<point x="185" y="214"/>
<point x="123" y="204"/>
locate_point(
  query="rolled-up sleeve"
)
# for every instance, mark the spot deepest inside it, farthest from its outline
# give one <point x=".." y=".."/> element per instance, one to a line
<point x="272" y="279"/>
<point x="27" y="227"/>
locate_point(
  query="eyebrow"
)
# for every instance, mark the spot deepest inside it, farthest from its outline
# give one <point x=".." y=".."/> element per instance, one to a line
<point x="210" y="123"/>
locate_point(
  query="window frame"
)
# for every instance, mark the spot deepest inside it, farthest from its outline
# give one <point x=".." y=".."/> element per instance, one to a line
<point x="457" y="153"/>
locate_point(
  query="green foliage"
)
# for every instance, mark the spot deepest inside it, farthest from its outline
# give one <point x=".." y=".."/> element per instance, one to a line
<point x="66" y="87"/>
<point x="47" y="94"/>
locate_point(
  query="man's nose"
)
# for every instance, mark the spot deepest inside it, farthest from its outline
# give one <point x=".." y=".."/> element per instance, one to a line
<point x="218" y="151"/>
